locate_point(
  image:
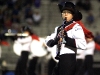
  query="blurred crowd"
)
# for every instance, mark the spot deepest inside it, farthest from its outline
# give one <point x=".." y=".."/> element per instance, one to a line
<point x="14" y="12"/>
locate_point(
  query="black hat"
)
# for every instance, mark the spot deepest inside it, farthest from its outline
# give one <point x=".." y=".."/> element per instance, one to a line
<point x="71" y="7"/>
<point x="26" y="28"/>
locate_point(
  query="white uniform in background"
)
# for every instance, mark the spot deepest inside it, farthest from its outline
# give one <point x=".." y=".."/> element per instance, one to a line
<point x="90" y="48"/>
<point x="21" y="66"/>
<point x="88" y="61"/>
<point x="25" y="42"/>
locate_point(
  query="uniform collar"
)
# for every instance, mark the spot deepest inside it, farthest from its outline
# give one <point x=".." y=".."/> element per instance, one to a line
<point x="68" y="23"/>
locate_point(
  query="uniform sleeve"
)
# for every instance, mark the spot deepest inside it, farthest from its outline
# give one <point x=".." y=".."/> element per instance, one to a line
<point x="79" y="37"/>
<point x="50" y="39"/>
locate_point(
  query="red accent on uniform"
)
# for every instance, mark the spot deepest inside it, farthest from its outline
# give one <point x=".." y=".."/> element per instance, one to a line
<point x="4" y="43"/>
<point x="35" y="37"/>
<point x="88" y="33"/>
<point x="69" y="27"/>
<point x="97" y="46"/>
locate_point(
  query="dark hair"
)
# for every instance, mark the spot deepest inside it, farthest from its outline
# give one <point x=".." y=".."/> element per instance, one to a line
<point x="26" y="28"/>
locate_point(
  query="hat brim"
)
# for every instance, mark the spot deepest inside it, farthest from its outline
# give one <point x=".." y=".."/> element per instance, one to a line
<point x="78" y="16"/>
<point x="60" y="7"/>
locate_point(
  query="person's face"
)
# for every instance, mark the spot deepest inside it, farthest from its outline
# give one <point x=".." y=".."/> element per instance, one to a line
<point x="26" y="32"/>
<point x="67" y="14"/>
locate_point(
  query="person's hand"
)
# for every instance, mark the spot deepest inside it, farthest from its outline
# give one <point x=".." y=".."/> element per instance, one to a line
<point x="57" y="38"/>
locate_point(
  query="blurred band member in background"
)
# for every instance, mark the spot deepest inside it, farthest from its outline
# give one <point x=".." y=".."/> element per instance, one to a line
<point x="86" y="63"/>
<point x="21" y="66"/>
<point x="80" y="59"/>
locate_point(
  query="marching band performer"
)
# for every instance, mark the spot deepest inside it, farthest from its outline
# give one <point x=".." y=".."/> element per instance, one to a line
<point x="87" y="65"/>
<point x="68" y="37"/>
<point x="22" y="64"/>
<point x="80" y="53"/>
<point x="87" y="55"/>
<point x="80" y="56"/>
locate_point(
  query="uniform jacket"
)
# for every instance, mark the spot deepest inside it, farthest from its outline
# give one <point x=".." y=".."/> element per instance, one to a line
<point x="25" y="42"/>
<point x="76" y="33"/>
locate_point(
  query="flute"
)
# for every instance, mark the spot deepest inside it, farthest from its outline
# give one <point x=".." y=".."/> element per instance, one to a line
<point x="15" y="34"/>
